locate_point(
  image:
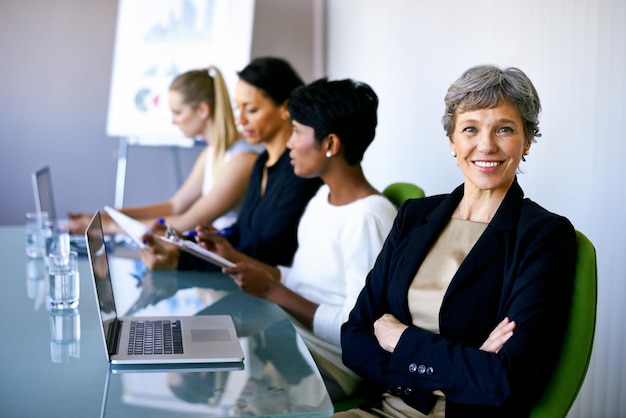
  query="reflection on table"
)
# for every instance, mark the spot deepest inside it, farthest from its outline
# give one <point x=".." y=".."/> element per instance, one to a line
<point x="64" y="323"/>
<point x="279" y="376"/>
<point x="56" y="365"/>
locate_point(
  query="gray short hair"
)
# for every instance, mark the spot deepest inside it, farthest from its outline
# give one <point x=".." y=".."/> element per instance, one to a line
<point x="485" y="86"/>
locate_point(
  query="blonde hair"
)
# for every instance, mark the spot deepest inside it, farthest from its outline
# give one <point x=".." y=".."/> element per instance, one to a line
<point x="207" y="85"/>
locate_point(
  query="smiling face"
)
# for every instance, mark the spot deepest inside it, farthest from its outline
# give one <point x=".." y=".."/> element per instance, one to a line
<point x="489" y="144"/>
<point x="189" y="119"/>
<point x="307" y="157"/>
<point x="259" y="117"/>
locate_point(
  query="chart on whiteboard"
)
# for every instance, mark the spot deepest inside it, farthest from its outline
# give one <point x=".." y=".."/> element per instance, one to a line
<point x="158" y="39"/>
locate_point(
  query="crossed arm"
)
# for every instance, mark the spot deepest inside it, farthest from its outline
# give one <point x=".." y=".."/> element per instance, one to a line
<point x="388" y="330"/>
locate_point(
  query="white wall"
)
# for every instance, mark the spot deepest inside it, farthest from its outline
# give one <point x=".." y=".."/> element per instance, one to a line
<point x="575" y="52"/>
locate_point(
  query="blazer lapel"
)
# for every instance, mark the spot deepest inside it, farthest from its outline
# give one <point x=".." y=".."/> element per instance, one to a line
<point x="493" y="243"/>
<point x="483" y="253"/>
<point x="420" y="240"/>
<point x="489" y="247"/>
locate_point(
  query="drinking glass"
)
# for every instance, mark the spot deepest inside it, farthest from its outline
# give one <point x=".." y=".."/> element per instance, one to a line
<point x="64" y="280"/>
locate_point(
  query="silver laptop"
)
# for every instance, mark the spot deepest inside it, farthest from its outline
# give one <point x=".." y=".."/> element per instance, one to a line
<point x="44" y="202"/>
<point x="155" y="340"/>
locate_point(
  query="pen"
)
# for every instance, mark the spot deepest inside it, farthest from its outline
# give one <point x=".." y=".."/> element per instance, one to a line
<point x="222" y="233"/>
<point x="225" y="232"/>
<point x="148" y="232"/>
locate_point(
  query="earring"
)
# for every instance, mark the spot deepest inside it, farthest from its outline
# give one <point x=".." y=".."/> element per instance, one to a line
<point x="452" y="153"/>
<point x="329" y="154"/>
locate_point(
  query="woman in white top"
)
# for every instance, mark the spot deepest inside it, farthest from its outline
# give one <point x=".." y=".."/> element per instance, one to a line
<point x="212" y="192"/>
<point x="341" y="231"/>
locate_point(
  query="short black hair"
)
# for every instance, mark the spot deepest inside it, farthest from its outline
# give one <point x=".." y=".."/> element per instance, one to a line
<point x="346" y="108"/>
<point x="274" y="76"/>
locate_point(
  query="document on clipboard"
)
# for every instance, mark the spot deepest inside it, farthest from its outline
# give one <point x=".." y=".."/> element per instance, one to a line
<point x="132" y="227"/>
<point x="195" y="249"/>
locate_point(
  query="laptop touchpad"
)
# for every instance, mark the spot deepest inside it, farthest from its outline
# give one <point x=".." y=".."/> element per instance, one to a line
<point x="207" y="335"/>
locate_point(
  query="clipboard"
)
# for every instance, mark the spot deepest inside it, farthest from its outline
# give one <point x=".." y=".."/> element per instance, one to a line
<point x="132" y="227"/>
<point x="195" y="249"/>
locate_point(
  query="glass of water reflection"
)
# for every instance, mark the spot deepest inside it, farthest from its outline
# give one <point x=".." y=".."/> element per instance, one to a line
<point x="57" y="236"/>
<point x="36" y="234"/>
<point x="64" y="280"/>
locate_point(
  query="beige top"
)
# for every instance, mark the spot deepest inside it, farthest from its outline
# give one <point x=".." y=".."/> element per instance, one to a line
<point x="426" y="294"/>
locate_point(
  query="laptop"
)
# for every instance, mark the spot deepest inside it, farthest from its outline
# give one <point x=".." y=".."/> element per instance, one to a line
<point x="44" y="202"/>
<point x="155" y="340"/>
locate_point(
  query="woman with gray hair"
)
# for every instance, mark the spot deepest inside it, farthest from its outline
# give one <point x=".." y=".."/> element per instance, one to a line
<point x="463" y="311"/>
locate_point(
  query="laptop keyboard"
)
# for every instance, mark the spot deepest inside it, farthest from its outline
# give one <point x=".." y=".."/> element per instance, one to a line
<point x="155" y="337"/>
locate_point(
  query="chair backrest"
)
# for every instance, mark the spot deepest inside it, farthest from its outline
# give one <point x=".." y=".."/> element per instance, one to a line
<point x="397" y="193"/>
<point x="571" y="368"/>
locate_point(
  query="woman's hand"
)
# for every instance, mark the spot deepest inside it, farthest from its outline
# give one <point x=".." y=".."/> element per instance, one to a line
<point x="157" y="254"/>
<point x="210" y="238"/>
<point x="78" y="223"/>
<point x="253" y="278"/>
<point x="499" y="336"/>
<point x="388" y="330"/>
<point x="262" y="280"/>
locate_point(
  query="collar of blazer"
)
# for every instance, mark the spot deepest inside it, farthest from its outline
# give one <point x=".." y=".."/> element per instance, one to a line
<point x="490" y="245"/>
<point x="504" y="219"/>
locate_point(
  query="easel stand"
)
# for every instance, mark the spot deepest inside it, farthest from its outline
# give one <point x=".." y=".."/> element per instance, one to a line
<point x="122" y="159"/>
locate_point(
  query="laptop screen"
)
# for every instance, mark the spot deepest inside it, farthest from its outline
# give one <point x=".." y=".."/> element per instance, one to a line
<point x="97" y="253"/>
<point x="44" y="198"/>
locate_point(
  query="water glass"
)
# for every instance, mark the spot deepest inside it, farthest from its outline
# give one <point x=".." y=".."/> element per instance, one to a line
<point x="64" y="334"/>
<point x="57" y="236"/>
<point x="64" y="289"/>
<point x="36" y="275"/>
<point x="36" y="233"/>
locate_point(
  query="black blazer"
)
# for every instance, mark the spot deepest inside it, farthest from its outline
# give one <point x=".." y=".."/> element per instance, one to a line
<point x="521" y="267"/>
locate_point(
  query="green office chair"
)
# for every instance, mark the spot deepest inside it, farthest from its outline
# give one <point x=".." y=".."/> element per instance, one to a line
<point x="571" y="368"/>
<point x="397" y="193"/>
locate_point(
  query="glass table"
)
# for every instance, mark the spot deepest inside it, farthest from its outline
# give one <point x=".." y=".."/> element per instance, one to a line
<point x="54" y="363"/>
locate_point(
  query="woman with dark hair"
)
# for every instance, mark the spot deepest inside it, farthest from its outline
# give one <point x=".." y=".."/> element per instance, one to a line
<point x="463" y="312"/>
<point x="276" y="197"/>
<point x="341" y="231"/>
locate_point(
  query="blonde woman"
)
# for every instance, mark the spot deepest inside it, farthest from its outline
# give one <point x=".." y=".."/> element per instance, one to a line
<point x="212" y="193"/>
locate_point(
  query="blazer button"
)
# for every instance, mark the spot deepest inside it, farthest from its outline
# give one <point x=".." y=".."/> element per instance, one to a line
<point x="412" y="367"/>
<point x="421" y="369"/>
<point x="408" y="391"/>
<point x="430" y="370"/>
<point x="397" y="391"/>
